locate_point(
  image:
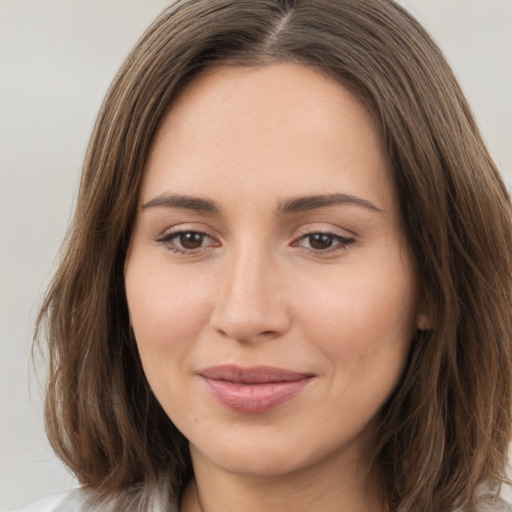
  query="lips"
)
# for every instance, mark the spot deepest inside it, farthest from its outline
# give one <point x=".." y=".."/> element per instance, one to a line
<point x="253" y="390"/>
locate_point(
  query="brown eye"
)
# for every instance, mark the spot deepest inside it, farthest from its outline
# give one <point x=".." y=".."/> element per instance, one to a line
<point x="187" y="242"/>
<point x="323" y="243"/>
<point x="191" y="240"/>
<point x="320" y="241"/>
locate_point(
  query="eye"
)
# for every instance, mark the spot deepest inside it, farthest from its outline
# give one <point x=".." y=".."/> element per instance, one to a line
<point x="190" y="240"/>
<point x="184" y="242"/>
<point x="323" y="242"/>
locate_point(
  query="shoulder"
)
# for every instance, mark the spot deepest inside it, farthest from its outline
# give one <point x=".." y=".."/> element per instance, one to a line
<point x="69" y="501"/>
<point x="490" y="505"/>
<point x="84" y="500"/>
<point x="494" y="506"/>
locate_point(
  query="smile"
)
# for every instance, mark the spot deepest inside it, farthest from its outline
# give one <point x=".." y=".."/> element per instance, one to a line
<point x="253" y="390"/>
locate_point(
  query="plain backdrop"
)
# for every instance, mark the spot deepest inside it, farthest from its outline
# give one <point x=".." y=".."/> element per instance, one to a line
<point x="57" y="58"/>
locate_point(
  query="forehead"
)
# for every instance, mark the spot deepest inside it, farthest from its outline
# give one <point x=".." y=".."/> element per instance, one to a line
<point x="282" y="127"/>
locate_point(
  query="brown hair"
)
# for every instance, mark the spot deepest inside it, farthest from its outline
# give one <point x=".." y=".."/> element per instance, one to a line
<point x="444" y="433"/>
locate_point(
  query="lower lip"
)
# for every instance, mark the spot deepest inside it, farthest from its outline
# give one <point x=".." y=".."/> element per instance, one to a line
<point x="255" y="398"/>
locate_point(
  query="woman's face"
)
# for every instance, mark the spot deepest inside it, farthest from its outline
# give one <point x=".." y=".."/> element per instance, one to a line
<point x="270" y="291"/>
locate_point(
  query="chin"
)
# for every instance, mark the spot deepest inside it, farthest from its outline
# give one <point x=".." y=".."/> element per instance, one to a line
<point x="262" y="463"/>
<point x="264" y="457"/>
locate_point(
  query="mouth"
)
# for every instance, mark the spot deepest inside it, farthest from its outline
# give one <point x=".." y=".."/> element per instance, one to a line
<point x="253" y="390"/>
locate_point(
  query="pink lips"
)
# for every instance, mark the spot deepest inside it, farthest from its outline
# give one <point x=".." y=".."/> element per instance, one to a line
<point x="253" y="390"/>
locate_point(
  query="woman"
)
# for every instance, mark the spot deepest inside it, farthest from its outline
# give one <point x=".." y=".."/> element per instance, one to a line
<point x="287" y="285"/>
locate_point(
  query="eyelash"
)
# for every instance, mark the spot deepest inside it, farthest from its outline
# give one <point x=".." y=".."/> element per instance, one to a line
<point x="339" y="242"/>
<point x="167" y="240"/>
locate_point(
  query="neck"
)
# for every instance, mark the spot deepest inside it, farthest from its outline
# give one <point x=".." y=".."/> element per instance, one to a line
<point x="327" y="487"/>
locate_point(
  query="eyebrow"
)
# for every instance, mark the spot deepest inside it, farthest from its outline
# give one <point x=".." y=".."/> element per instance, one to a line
<point x="183" y="202"/>
<point x="301" y="204"/>
<point x="296" y="205"/>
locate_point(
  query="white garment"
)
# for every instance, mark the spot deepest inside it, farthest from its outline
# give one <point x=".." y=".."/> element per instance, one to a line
<point x="68" y="501"/>
<point x="83" y="500"/>
<point x="72" y="501"/>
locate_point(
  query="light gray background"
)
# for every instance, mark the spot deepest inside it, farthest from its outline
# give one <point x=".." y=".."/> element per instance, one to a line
<point x="57" y="58"/>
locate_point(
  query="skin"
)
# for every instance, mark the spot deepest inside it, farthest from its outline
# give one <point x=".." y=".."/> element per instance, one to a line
<point x="259" y="289"/>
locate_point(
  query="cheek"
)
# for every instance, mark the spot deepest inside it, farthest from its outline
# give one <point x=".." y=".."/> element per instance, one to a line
<point x="167" y="313"/>
<point x="364" y="319"/>
<point x="365" y="333"/>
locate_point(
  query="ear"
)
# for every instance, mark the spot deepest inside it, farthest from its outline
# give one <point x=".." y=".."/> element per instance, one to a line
<point x="424" y="316"/>
<point x="423" y="322"/>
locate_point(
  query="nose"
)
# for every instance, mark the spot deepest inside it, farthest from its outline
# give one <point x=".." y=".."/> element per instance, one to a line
<point x="251" y="304"/>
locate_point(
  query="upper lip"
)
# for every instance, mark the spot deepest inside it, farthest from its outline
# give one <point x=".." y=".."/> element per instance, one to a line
<point x="252" y="375"/>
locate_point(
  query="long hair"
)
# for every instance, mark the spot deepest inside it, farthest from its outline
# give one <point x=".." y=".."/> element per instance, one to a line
<point x="444" y="433"/>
